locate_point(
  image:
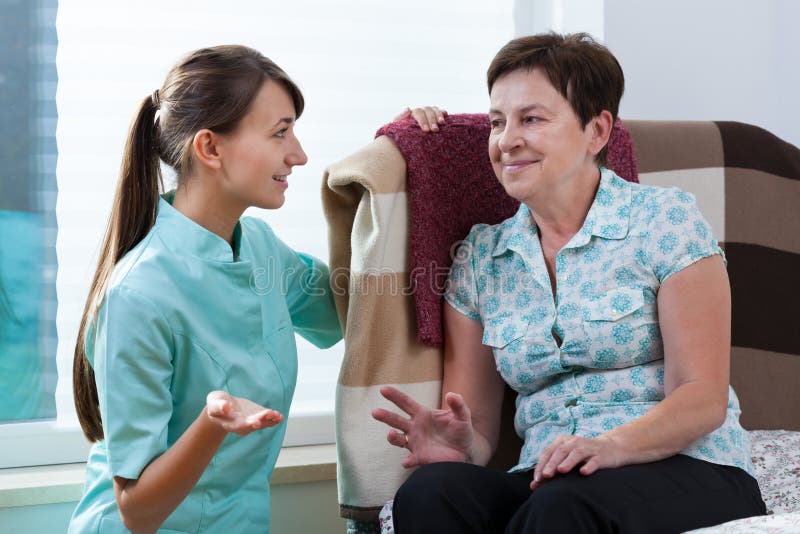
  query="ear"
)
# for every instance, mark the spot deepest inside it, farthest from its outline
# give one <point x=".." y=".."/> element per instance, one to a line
<point x="204" y="148"/>
<point x="599" y="131"/>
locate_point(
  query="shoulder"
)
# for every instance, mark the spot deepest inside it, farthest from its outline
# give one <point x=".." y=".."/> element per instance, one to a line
<point x="492" y="234"/>
<point x="643" y="194"/>
<point x="148" y="271"/>
<point x="253" y="226"/>
<point x="480" y="233"/>
<point x="263" y="240"/>
<point x="256" y="230"/>
<point x="651" y="205"/>
<point x="477" y="244"/>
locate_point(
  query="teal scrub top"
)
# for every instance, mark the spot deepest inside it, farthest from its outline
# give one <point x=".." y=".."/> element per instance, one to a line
<point x="186" y="313"/>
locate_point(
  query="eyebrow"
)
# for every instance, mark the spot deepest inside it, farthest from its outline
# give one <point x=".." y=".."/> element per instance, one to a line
<point x="284" y="120"/>
<point x="522" y="110"/>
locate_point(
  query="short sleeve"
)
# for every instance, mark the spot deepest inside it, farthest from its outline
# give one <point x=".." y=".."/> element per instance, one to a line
<point x="132" y="359"/>
<point x="461" y="290"/>
<point x="308" y="293"/>
<point x="679" y="234"/>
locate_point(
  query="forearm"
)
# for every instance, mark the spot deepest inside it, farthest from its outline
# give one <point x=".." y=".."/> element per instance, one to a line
<point x="689" y="412"/>
<point x="146" y="502"/>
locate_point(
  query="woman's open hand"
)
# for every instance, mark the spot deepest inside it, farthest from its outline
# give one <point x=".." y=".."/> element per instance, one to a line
<point x="430" y="435"/>
<point x="239" y="415"/>
<point x="429" y="118"/>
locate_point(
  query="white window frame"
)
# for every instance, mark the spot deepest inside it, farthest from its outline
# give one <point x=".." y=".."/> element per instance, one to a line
<point x="49" y="443"/>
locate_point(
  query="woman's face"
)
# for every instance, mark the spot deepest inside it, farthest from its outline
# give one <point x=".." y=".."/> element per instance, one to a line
<point x="536" y="144"/>
<point x="258" y="156"/>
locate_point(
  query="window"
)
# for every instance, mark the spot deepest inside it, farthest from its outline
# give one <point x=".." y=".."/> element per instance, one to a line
<point x="27" y="212"/>
<point x="358" y="64"/>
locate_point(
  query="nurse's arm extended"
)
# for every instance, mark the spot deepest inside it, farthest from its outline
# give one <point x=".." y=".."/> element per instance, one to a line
<point x="146" y="502"/>
<point x="694" y="310"/>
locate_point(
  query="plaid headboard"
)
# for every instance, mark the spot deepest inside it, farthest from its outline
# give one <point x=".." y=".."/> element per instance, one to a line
<point x="747" y="183"/>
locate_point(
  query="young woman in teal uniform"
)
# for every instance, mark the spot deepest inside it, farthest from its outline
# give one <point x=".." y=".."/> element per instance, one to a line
<point x="186" y="363"/>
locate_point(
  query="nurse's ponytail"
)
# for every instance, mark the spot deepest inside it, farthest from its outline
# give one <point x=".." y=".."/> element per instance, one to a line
<point x="211" y="88"/>
<point x="133" y="213"/>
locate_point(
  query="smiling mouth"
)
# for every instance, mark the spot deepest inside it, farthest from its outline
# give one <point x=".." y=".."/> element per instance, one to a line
<point x="280" y="178"/>
<point x="518" y="165"/>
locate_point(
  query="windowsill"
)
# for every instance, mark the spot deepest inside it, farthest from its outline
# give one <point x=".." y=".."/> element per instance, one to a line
<point x="50" y="484"/>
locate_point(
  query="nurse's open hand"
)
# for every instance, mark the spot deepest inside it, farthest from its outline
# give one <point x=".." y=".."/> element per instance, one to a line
<point x="430" y="435"/>
<point x="239" y="415"/>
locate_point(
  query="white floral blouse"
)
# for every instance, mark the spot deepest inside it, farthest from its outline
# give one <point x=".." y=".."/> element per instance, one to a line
<point x="609" y="366"/>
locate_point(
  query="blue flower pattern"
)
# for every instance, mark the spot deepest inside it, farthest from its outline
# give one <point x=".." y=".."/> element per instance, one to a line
<point x="609" y="367"/>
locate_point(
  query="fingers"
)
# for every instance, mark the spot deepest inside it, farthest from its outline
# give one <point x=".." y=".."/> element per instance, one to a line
<point x="392" y="419"/>
<point x="422" y="119"/>
<point x="568" y="452"/>
<point x="429" y="118"/>
<point x="398" y="439"/>
<point x="403" y="401"/>
<point x="551" y="467"/>
<point x="544" y="462"/>
<point x="218" y="404"/>
<point x="576" y="456"/>
<point x="264" y="419"/>
<point x="590" y="467"/>
<point x="410" y="461"/>
<point x="458" y="406"/>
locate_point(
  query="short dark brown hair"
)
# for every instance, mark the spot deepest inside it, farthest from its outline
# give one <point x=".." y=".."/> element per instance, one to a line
<point x="585" y="72"/>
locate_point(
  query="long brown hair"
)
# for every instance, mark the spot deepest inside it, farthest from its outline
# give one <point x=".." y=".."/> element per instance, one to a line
<point x="211" y="88"/>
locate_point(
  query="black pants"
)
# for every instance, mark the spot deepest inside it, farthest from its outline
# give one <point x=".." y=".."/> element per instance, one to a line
<point x="673" y="495"/>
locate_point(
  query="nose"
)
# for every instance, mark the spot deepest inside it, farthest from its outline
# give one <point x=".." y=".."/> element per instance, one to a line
<point x="296" y="156"/>
<point x="509" y="138"/>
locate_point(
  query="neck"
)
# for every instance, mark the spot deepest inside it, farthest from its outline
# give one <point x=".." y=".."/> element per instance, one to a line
<point x="207" y="208"/>
<point x="560" y="213"/>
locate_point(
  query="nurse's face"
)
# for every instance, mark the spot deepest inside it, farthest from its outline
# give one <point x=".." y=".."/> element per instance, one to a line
<point x="536" y="142"/>
<point x="258" y="156"/>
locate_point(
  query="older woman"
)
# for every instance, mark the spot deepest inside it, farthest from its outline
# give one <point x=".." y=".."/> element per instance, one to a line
<point x="606" y="306"/>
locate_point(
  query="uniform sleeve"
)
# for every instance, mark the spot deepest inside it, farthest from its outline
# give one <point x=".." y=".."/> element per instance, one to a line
<point x="309" y="296"/>
<point x="461" y="290"/>
<point x="132" y="358"/>
<point x="679" y="234"/>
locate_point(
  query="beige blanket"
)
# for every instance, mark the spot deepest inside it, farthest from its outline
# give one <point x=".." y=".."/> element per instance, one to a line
<point x="364" y="198"/>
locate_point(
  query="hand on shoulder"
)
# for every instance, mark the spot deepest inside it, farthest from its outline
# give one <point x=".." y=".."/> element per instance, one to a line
<point x="429" y="118"/>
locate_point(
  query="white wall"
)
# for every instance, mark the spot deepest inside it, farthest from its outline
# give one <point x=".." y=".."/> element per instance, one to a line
<point x="709" y="60"/>
<point x="562" y="16"/>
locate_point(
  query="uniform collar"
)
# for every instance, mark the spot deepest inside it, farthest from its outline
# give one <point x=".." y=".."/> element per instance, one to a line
<point x="183" y="234"/>
<point x="608" y="218"/>
<point x="519" y="233"/>
<point x="610" y="213"/>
